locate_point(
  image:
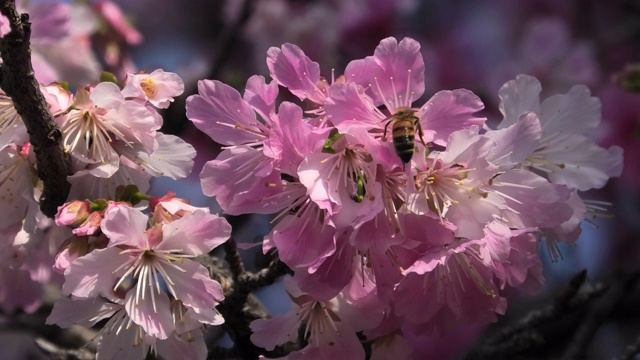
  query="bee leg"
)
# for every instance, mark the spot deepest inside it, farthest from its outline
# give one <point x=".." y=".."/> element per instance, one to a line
<point x="420" y="133"/>
<point x="386" y="126"/>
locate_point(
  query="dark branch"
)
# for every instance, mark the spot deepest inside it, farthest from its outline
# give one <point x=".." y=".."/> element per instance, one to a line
<point x="233" y="258"/>
<point x="229" y="38"/>
<point x="598" y="314"/>
<point x="19" y="83"/>
<point x="239" y="307"/>
<point x="526" y="334"/>
<point x="631" y="351"/>
<point x="267" y="276"/>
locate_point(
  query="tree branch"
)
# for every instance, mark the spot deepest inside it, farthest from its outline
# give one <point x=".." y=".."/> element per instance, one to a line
<point x="266" y="276"/>
<point x="526" y="334"/>
<point x="229" y="38"/>
<point x="19" y="83"/>
<point x="598" y="313"/>
<point x="630" y="351"/>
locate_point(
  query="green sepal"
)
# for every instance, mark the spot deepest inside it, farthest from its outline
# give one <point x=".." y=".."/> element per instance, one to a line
<point x="98" y="205"/>
<point x="130" y="194"/>
<point x="328" y="144"/>
<point x="106" y="76"/>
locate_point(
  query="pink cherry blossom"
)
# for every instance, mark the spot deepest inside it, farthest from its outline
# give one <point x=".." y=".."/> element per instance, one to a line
<point x="121" y="337"/>
<point x="291" y="68"/>
<point x="564" y="153"/>
<point x="159" y="87"/>
<point x="453" y="185"/>
<point x="17" y="183"/>
<point x="462" y="286"/>
<point x="102" y="116"/>
<point x="328" y="331"/>
<point x="154" y="259"/>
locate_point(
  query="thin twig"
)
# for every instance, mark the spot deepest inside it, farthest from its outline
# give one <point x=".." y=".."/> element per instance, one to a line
<point x="19" y="83"/>
<point x="229" y="38"/>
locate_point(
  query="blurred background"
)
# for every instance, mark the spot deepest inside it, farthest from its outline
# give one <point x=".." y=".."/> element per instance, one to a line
<point x="477" y="45"/>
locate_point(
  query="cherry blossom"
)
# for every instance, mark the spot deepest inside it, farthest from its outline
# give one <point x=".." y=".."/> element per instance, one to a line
<point x="156" y="260"/>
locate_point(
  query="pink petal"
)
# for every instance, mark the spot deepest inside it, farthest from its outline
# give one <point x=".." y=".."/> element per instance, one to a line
<point x="120" y="345"/>
<point x="136" y="122"/>
<point x="291" y="68"/>
<point x="67" y="312"/>
<point x="19" y="291"/>
<point x="398" y="73"/>
<point x="193" y="286"/>
<point x="156" y="322"/>
<point x="345" y="345"/>
<point x="497" y="242"/>
<point x="217" y="109"/>
<point x="303" y="241"/>
<point x="291" y="138"/>
<point x="261" y="96"/>
<point x="175" y="348"/>
<point x="172" y="158"/>
<point x="330" y="277"/>
<point x="125" y="225"/>
<point x="582" y="164"/>
<point x="16" y="186"/>
<point x="516" y="142"/>
<point x="5" y="26"/>
<point x="450" y="111"/>
<point x="195" y="234"/>
<point x="105" y="94"/>
<point x="277" y="330"/>
<point x="348" y="106"/>
<point x="574" y="112"/>
<point x="518" y="96"/>
<point x="94" y="273"/>
<point x="240" y="180"/>
<point x="532" y="200"/>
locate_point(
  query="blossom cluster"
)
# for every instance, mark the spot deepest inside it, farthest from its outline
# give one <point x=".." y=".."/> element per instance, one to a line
<point x="111" y="134"/>
<point x="139" y="272"/>
<point x="398" y="218"/>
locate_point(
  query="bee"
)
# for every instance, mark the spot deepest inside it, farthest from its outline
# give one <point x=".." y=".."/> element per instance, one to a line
<point x="403" y="131"/>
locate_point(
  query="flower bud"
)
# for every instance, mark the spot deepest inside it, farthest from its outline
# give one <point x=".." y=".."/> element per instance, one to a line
<point x="90" y="225"/>
<point x="72" y="213"/>
<point x="158" y="199"/>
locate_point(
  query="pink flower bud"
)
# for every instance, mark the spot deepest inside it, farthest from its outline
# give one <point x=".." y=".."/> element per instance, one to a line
<point x="90" y="225"/>
<point x="158" y="199"/>
<point x="72" y="213"/>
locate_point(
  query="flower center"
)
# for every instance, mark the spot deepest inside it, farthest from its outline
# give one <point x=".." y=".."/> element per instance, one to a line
<point x="148" y="87"/>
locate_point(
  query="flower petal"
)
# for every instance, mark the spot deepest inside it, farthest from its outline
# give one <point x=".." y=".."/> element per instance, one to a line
<point x="193" y="286"/>
<point x="93" y="274"/>
<point x="195" y="234"/>
<point x="125" y="225"/>
<point x="156" y="322"/>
